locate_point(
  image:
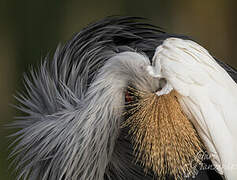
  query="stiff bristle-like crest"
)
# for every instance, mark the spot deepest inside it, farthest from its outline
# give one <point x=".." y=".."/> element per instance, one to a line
<point x="165" y="140"/>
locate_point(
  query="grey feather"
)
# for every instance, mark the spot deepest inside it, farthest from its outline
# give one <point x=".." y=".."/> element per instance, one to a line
<point x="73" y="118"/>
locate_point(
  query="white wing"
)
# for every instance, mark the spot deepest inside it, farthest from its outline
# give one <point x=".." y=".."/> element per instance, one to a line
<point x="208" y="96"/>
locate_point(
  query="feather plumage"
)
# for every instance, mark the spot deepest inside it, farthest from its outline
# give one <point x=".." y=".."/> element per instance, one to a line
<point x="72" y="104"/>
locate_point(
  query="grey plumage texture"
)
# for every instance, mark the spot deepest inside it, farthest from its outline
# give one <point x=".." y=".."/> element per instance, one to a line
<point x="74" y="104"/>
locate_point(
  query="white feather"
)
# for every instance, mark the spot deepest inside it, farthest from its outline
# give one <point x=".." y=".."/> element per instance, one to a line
<point x="208" y="95"/>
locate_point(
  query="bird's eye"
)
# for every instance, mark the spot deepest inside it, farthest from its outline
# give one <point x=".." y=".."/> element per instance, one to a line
<point x="128" y="96"/>
<point x="131" y="98"/>
<point x="131" y="95"/>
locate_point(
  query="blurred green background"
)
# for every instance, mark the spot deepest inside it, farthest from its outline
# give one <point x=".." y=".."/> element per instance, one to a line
<point x="29" y="29"/>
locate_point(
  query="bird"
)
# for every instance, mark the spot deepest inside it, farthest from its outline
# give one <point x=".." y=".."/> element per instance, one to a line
<point x="125" y="100"/>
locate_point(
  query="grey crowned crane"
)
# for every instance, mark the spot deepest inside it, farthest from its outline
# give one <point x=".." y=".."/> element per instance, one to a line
<point x="124" y="100"/>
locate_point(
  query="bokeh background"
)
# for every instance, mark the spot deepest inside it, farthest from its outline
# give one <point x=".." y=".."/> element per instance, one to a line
<point x="30" y="29"/>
